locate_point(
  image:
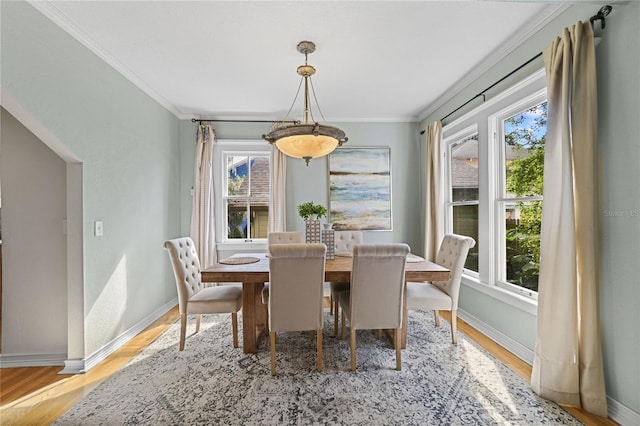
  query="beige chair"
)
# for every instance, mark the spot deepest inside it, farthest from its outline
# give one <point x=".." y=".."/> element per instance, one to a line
<point x="443" y="295"/>
<point x="290" y="237"/>
<point x="344" y="243"/>
<point x="374" y="299"/>
<point x="295" y="304"/>
<point x="193" y="297"/>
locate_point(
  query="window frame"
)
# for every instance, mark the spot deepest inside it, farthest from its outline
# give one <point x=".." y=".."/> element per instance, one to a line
<point x="485" y="281"/>
<point x="222" y="150"/>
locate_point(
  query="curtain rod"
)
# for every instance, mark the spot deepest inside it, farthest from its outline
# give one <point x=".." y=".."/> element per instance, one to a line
<point x="604" y="11"/>
<point x="200" y="120"/>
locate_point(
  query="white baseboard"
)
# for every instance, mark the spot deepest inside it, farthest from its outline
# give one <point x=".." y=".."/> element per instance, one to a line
<point x="616" y="411"/>
<point x="516" y="348"/>
<point x="106" y="350"/>
<point x="32" y="360"/>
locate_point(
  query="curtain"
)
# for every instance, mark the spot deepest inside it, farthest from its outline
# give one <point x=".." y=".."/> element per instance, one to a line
<point x="567" y="365"/>
<point x="277" y="201"/>
<point x="202" y="207"/>
<point x="434" y="192"/>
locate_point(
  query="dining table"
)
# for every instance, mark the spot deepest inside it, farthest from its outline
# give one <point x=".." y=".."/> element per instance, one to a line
<point x="253" y="275"/>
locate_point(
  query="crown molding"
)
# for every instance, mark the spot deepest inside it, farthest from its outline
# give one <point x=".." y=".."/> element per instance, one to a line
<point x="505" y="49"/>
<point x="49" y="10"/>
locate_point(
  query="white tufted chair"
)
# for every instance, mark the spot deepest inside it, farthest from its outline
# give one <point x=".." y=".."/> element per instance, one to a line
<point x="344" y="243"/>
<point x="193" y="297"/>
<point x="374" y="299"/>
<point x="443" y="295"/>
<point x="295" y="304"/>
<point x="290" y="237"/>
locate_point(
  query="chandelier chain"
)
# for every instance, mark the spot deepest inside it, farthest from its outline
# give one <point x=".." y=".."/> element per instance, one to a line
<point x="294" y="101"/>
<point x="324" y="120"/>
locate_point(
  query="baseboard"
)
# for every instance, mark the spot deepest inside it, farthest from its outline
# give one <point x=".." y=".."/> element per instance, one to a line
<point x="516" y="348"/>
<point x="621" y="413"/>
<point x="75" y="366"/>
<point x="616" y="411"/>
<point x="32" y="360"/>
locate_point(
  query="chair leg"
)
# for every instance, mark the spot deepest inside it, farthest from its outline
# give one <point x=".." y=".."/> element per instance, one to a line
<point x="183" y="329"/>
<point x="379" y="334"/>
<point x="336" y="318"/>
<point x="344" y="336"/>
<point x="454" y="327"/>
<point x="272" y="335"/>
<point x="353" y="349"/>
<point x="234" y="326"/>
<point x="398" y="349"/>
<point x="312" y="334"/>
<point x="198" y="323"/>
<point x="331" y="303"/>
<point x="437" y="317"/>
<point x="319" y="350"/>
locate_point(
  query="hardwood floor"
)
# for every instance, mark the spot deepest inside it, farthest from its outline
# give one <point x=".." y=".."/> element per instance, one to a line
<point x="38" y="395"/>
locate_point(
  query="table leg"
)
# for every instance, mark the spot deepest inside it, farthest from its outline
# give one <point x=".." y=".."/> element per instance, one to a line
<point x="253" y="314"/>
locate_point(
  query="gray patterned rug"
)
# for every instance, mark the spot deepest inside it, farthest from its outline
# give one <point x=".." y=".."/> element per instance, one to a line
<point x="212" y="383"/>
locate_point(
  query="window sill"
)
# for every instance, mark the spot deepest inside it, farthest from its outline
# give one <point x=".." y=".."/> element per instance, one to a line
<point x="525" y="304"/>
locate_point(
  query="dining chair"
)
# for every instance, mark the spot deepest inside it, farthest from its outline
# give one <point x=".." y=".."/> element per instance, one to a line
<point x="287" y="237"/>
<point x="193" y="296"/>
<point x="344" y="243"/>
<point x="443" y="295"/>
<point x="374" y="298"/>
<point x="295" y="304"/>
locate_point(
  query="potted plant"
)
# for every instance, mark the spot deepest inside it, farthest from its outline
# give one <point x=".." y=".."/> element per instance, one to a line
<point x="311" y="211"/>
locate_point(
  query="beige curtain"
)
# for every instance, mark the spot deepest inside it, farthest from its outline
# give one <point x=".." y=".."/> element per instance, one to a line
<point x="202" y="206"/>
<point x="567" y="365"/>
<point x="277" y="200"/>
<point x="434" y="192"/>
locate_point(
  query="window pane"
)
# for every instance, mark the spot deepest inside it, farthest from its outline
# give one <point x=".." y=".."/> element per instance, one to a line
<point x="259" y="218"/>
<point x="259" y="177"/>
<point x="465" y="222"/>
<point x="237" y="167"/>
<point x="464" y="170"/>
<point x="524" y="139"/>
<point x="237" y="219"/>
<point x="522" y="230"/>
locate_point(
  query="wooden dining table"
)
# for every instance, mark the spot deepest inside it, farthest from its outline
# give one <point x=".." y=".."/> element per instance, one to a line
<point x="254" y="275"/>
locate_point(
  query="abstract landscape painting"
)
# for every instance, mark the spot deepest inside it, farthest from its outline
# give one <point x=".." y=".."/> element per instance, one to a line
<point x="360" y="189"/>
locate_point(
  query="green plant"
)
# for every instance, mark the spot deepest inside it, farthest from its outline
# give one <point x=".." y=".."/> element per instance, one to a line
<point x="305" y="210"/>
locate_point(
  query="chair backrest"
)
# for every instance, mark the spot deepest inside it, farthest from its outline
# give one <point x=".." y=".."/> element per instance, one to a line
<point x="186" y="268"/>
<point x="377" y="285"/>
<point x="285" y="238"/>
<point x="345" y="240"/>
<point x="296" y="276"/>
<point x="452" y="255"/>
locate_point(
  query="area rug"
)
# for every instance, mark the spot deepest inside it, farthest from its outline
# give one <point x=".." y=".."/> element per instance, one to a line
<point x="211" y="383"/>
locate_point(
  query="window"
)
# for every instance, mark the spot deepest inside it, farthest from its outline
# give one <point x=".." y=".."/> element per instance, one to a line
<point x="522" y="140"/>
<point x="493" y="161"/>
<point x="462" y="197"/>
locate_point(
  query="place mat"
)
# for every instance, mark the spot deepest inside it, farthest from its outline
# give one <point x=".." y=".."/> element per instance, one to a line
<point x="239" y="260"/>
<point x="412" y="258"/>
<point x="344" y="254"/>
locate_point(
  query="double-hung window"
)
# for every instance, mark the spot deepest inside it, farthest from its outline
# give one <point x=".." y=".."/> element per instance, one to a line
<point x="242" y="194"/>
<point x="493" y="177"/>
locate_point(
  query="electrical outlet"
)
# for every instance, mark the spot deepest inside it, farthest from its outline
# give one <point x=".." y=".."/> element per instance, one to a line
<point x="98" y="228"/>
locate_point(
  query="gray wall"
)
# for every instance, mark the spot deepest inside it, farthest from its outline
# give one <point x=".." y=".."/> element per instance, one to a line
<point x="128" y="146"/>
<point x="311" y="183"/>
<point x="34" y="301"/>
<point x="618" y="68"/>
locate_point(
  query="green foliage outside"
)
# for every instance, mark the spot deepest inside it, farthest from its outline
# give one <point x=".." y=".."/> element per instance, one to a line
<point x="235" y="217"/>
<point x="525" y="133"/>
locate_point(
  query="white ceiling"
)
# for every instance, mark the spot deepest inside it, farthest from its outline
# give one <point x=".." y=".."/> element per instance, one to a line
<point x="375" y="60"/>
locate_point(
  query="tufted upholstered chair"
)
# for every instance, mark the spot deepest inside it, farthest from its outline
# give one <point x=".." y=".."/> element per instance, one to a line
<point x="443" y="295"/>
<point x="285" y="238"/>
<point x="344" y="243"/>
<point x="193" y="297"/>
<point x="374" y="299"/>
<point x="295" y="304"/>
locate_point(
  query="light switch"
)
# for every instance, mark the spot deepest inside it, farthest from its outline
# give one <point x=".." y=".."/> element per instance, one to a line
<point x="98" y="228"/>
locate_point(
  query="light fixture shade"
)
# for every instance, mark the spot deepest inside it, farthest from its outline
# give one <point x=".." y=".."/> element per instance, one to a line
<point x="306" y="141"/>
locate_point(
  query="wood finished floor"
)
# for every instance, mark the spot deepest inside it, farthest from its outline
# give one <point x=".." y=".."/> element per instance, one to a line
<point x="39" y="395"/>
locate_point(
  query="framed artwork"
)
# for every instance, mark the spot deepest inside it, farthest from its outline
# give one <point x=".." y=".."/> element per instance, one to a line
<point x="360" y="189"/>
